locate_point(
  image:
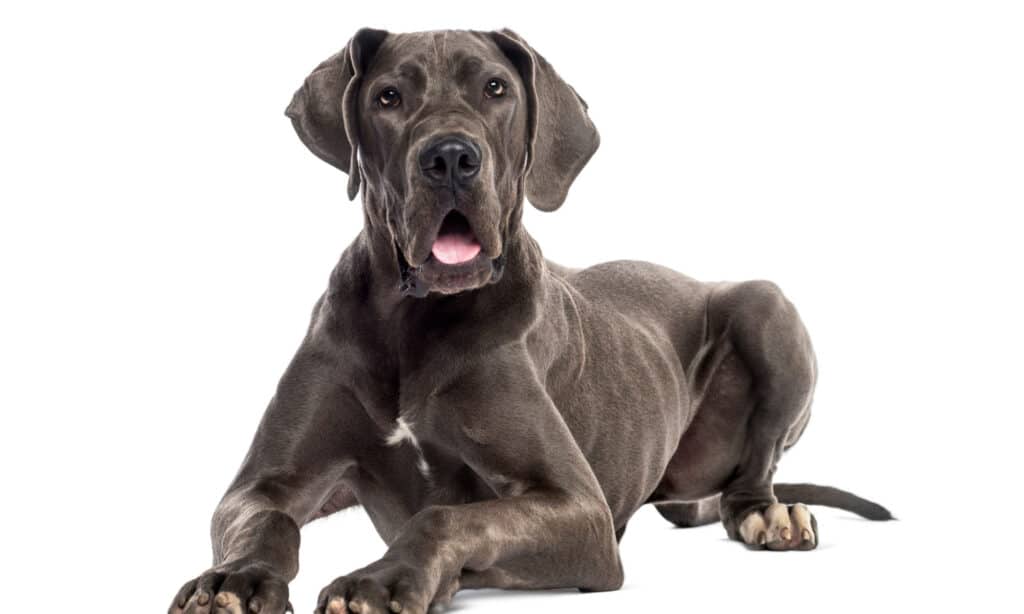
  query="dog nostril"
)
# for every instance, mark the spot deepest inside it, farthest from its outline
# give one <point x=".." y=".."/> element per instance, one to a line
<point x="450" y="161"/>
<point x="466" y="165"/>
<point x="437" y="168"/>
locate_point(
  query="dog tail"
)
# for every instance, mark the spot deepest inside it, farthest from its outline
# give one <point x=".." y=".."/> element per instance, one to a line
<point x="812" y="494"/>
<point x="705" y="511"/>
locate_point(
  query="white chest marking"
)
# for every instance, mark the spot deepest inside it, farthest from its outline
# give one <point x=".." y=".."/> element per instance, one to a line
<point x="403" y="432"/>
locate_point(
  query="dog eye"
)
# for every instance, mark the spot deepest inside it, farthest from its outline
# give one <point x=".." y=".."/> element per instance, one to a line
<point x="495" y="88"/>
<point x="389" y="98"/>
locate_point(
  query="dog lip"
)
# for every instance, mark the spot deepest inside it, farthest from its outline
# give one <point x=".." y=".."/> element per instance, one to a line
<point x="418" y="248"/>
<point x="435" y="276"/>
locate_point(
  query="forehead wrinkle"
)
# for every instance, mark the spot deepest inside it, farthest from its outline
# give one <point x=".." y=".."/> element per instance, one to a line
<point x="485" y="68"/>
<point x="406" y="71"/>
<point x="440" y="48"/>
<point x="437" y="79"/>
<point x="411" y="70"/>
<point x="468" y="65"/>
<point x="442" y="60"/>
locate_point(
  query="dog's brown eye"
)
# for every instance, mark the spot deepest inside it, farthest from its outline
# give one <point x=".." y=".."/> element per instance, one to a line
<point x="389" y="98"/>
<point x="495" y="88"/>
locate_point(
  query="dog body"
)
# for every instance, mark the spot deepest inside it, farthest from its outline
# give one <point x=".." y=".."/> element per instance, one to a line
<point x="607" y="351"/>
<point x="499" y="417"/>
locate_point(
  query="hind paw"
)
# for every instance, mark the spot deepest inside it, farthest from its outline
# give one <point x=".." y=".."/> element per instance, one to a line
<point x="780" y="527"/>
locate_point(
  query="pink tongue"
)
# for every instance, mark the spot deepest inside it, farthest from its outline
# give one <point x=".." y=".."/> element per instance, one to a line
<point x="455" y="248"/>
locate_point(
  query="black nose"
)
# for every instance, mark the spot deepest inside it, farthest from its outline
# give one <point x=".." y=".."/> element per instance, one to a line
<point x="450" y="161"/>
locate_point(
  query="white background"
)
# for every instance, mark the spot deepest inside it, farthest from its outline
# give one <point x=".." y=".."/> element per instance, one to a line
<point x="164" y="235"/>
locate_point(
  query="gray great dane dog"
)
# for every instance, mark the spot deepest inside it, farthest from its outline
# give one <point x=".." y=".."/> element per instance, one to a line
<point x="500" y="417"/>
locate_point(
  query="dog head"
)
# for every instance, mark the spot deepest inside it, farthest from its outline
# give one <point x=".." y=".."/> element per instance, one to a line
<point x="445" y="132"/>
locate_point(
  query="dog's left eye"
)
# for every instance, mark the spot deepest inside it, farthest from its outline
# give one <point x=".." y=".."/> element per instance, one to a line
<point x="495" y="88"/>
<point x="389" y="98"/>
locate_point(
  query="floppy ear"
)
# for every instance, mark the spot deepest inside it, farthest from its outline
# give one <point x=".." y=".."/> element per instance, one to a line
<point x="323" y="110"/>
<point x="561" y="136"/>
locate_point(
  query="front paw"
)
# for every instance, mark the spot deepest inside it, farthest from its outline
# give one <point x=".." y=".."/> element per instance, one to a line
<point x="379" y="588"/>
<point x="234" y="588"/>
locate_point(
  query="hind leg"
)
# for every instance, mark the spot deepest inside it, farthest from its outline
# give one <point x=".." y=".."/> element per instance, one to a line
<point x="686" y="514"/>
<point x="768" y="337"/>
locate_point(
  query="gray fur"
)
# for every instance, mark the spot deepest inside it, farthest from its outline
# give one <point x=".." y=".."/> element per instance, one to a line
<point x="540" y="406"/>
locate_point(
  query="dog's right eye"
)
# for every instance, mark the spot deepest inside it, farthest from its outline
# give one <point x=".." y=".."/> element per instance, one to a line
<point x="389" y="98"/>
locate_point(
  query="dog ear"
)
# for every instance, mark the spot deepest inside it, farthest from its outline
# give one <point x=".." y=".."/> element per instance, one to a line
<point x="561" y="136"/>
<point x="323" y="110"/>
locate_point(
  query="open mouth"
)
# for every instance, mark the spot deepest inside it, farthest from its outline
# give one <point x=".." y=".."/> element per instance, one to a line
<point x="457" y="261"/>
<point x="455" y="242"/>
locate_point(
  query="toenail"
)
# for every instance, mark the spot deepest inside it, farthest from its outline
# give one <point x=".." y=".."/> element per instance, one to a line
<point x="786" y="533"/>
<point x="202" y="599"/>
<point x="221" y="599"/>
<point x="395" y="607"/>
<point x="355" y="606"/>
<point x="762" y="538"/>
<point x="336" y="606"/>
<point x="255" y="604"/>
<point x="806" y="535"/>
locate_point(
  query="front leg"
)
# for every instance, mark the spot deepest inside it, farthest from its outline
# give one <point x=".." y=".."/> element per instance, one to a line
<point x="256" y="547"/>
<point x="550" y="526"/>
<point x="300" y="453"/>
